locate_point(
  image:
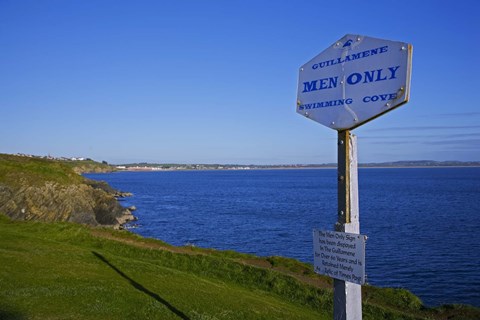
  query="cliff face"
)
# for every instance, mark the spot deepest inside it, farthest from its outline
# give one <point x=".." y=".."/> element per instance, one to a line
<point x="37" y="189"/>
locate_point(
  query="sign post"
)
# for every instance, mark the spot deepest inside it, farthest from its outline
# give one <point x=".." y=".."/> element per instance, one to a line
<point x="347" y="296"/>
<point x="353" y="81"/>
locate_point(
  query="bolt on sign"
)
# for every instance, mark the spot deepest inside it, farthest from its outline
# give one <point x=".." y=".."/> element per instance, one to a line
<point x="355" y="80"/>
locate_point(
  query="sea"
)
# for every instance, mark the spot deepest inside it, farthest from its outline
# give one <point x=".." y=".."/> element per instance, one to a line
<point x="423" y="224"/>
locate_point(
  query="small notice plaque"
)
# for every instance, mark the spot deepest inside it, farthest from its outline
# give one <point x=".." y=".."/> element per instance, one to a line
<point x="340" y="255"/>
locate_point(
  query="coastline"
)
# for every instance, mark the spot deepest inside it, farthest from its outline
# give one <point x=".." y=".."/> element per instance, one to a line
<point x="127" y="215"/>
<point x="295" y="168"/>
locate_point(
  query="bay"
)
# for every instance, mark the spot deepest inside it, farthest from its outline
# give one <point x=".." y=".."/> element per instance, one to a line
<point x="422" y="223"/>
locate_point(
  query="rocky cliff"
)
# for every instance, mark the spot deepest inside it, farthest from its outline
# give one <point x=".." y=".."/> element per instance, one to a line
<point x="38" y="189"/>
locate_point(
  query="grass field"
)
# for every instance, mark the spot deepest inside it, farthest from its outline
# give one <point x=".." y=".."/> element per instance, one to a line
<point x="69" y="271"/>
<point x="18" y="171"/>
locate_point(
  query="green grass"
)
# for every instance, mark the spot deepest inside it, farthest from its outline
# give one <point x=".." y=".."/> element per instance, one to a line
<point x="19" y="171"/>
<point x="84" y="166"/>
<point x="68" y="271"/>
<point x="61" y="271"/>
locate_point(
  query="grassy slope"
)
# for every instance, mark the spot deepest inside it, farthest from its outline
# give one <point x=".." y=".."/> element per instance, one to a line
<point x="17" y="171"/>
<point x="52" y="271"/>
<point x="35" y="171"/>
<point x="88" y="166"/>
<point x="68" y="271"/>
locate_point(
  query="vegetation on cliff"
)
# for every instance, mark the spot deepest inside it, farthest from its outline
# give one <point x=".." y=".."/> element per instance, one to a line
<point x="89" y="166"/>
<point x="71" y="271"/>
<point x="47" y="190"/>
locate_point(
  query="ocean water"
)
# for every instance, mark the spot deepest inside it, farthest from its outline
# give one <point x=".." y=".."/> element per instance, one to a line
<point x="422" y="224"/>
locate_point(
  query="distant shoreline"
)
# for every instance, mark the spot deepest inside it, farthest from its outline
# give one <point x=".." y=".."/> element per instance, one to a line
<point x="292" y="168"/>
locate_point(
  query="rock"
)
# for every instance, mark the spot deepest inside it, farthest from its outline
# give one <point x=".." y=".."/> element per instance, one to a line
<point x="125" y="218"/>
<point x="107" y="188"/>
<point x="120" y="194"/>
<point x="132" y="208"/>
<point x="44" y="190"/>
<point x="78" y="203"/>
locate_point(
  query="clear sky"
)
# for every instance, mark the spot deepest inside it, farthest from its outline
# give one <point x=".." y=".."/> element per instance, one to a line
<point x="215" y="81"/>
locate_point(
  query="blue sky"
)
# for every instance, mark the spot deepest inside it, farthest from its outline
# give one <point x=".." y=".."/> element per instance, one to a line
<point x="215" y="81"/>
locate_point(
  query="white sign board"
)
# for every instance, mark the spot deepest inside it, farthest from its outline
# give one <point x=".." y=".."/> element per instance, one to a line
<point x="340" y="255"/>
<point x="356" y="79"/>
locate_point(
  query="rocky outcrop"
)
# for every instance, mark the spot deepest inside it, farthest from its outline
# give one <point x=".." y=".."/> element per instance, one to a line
<point x="102" y="185"/>
<point x="90" y="167"/>
<point x="80" y="203"/>
<point x="49" y="190"/>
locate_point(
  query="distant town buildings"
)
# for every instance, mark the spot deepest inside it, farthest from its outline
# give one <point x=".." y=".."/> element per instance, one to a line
<point x="143" y="166"/>
<point x="160" y="167"/>
<point x="49" y="157"/>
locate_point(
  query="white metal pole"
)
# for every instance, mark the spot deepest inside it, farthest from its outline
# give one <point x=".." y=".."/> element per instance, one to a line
<point x="347" y="300"/>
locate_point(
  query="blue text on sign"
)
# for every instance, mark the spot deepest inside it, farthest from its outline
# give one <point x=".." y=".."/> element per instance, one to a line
<point x="350" y="57"/>
<point x="353" y="79"/>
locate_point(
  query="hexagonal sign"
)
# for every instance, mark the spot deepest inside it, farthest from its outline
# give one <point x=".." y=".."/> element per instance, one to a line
<point x="355" y="80"/>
